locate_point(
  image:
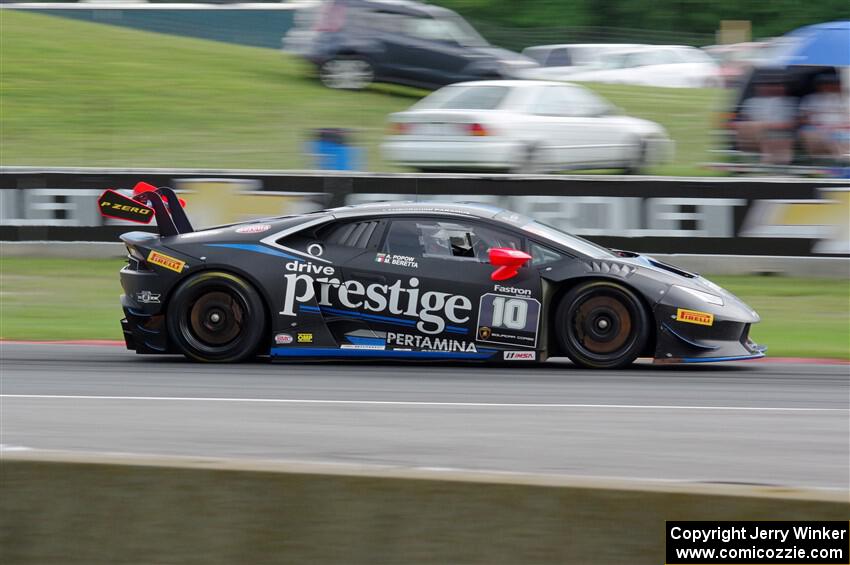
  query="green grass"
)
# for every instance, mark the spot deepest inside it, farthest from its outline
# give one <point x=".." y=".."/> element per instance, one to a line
<point x="78" y="299"/>
<point x="82" y="94"/>
<point x="60" y="298"/>
<point x="800" y="317"/>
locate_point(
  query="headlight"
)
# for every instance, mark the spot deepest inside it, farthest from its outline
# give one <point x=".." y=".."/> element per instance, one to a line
<point x="704" y="296"/>
<point x="715" y="287"/>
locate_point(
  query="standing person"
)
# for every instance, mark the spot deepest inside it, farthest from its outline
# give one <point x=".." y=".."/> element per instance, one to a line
<point x="769" y="122"/>
<point x="825" y="115"/>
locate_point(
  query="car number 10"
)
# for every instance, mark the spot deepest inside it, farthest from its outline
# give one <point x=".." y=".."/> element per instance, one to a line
<point x="511" y="313"/>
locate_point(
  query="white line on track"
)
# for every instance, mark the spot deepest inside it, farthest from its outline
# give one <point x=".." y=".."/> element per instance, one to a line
<point x="421" y="403"/>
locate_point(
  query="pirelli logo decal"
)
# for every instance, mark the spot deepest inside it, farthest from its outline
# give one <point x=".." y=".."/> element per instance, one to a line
<point x="165" y="261"/>
<point x="694" y="317"/>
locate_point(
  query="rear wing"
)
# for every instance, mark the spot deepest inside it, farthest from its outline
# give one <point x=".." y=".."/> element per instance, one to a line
<point x="148" y="202"/>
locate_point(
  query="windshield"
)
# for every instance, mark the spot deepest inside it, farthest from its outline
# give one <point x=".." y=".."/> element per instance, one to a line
<point x="464" y="33"/>
<point x="464" y="98"/>
<point x="567" y="240"/>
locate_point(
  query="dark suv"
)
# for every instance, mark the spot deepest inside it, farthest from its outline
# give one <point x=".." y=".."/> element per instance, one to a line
<point x="356" y="42"/>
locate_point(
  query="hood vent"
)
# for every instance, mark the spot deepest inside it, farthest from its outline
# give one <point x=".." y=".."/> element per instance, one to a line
<point x="672" y="269"/>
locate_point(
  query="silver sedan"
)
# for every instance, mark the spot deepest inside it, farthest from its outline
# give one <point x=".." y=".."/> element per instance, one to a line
<point x="521" y="126"/>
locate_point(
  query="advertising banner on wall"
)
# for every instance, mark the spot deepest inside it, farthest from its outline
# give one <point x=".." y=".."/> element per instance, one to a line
<point x="700" y="216"/>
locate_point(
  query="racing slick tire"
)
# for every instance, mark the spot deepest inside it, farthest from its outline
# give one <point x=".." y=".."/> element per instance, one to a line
<point x="601" y="325"/>
<point x="639" y="160"/>
<point x="347" y="73"/>
<point x="216" y="317"/>
<point x="528" y="162"/>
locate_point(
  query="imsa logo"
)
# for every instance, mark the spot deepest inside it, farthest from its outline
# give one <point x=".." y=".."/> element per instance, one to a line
<point x="694" y="317"/>
<point x="520" y="355"/>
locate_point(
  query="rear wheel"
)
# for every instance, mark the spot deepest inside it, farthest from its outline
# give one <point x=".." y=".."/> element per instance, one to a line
<point x="216" y="317"/>
<point x="529" y="162"/>
<point x="638" y="162"/>
<point x="602" y="325"/>
<point x="347" y="73"/>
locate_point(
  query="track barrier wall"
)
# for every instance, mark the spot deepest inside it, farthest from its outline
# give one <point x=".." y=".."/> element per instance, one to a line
<point x="659" y="215"/>
<point x="100" y="509"/>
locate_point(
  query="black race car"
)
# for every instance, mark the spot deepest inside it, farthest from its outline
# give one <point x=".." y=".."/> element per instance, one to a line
<point x="410" y="281"/>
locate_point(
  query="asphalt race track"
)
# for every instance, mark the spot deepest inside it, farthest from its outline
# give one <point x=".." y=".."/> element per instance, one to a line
<point x="762" y="423"/>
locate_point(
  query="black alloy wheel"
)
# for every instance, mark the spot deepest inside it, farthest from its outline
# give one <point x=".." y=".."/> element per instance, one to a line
<point x="602" y="325"/>
<point x="216" y="317"/>
<point x="347" y="73"/>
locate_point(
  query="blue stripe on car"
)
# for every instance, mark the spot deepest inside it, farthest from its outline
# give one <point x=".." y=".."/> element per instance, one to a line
<point x="719" y="359"/>
<point x="256" y="248"/>
<point x="375" y="317"/>
<point x="334" y="352"/>
<point x="372" y="341"/>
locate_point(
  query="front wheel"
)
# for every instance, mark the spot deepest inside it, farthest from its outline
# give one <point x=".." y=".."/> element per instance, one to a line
<point x="216" y="317"/>
<point x="602" y="325"/>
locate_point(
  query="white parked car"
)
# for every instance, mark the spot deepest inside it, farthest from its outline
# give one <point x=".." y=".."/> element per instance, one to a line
<point x="661" y="65"/>
<point x="558" y="62"/>
<point x="521" y="126"/>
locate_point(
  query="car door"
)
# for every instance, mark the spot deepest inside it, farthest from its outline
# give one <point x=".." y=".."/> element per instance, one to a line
<point x="428" y="51"/>
<point x="430" y="289"/>
<point x="574" y="130"/>
<point x="317" y="305"/>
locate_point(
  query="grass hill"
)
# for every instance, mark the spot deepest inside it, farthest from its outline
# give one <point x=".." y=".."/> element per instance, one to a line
<point x="81" y="94"/>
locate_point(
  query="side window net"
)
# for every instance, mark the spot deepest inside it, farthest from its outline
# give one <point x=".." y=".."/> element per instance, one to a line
<point x="445" y="240"/>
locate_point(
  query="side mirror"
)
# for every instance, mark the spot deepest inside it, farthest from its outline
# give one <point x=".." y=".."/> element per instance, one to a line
<point x="507" y="261"/>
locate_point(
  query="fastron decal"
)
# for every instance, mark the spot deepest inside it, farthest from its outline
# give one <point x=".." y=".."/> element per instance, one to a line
<point x="429" y="343"/>
<point x="432" y="309"/>
<point x="512" y="290"/>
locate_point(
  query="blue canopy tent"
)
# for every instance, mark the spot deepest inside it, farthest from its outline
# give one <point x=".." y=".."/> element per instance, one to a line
<point x="798" y="59"/>
<point x="823" y="45"/>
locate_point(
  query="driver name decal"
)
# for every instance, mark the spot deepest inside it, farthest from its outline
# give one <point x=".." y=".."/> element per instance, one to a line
<point x="397" y="260"/>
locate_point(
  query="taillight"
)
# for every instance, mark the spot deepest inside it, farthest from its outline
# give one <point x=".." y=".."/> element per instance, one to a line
<point x="477" y="130"/>
<point x="331" y="18"/>
<point x="398" y="128"/>
<point x="136" y="259"/>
